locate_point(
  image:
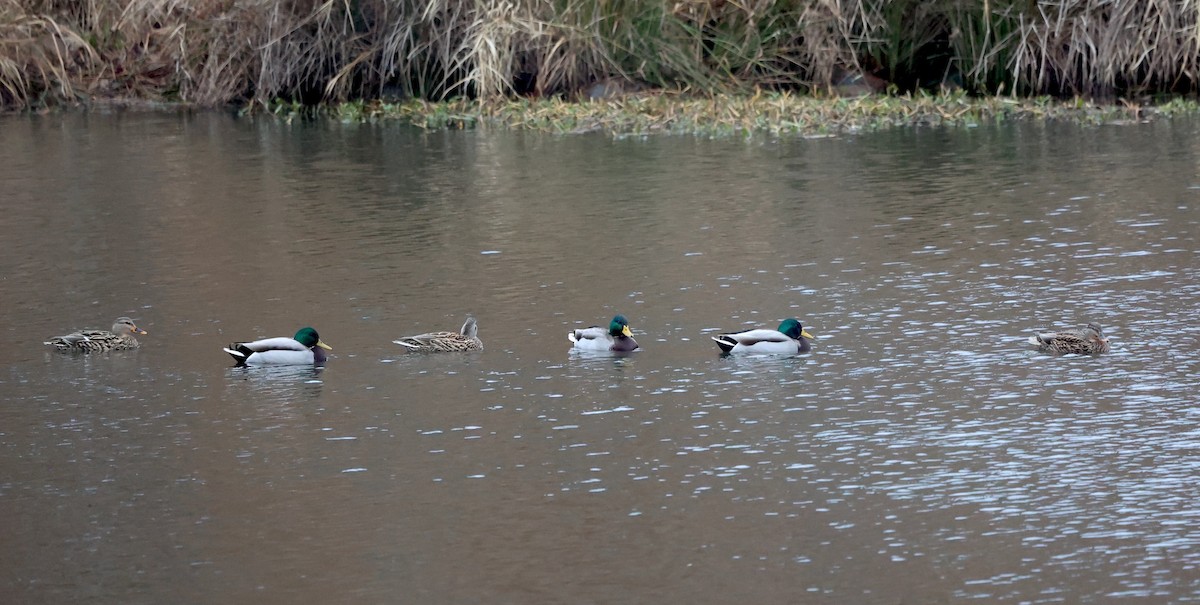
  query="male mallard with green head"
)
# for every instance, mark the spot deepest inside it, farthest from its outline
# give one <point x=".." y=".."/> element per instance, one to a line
<point x="789" y="339"/>
<point x="94" y="341"/>
<point x="617" y="338"/>
<point x="466" y="339"/>
<point x="1088" y="340"/>
<point x="305" y="348"/>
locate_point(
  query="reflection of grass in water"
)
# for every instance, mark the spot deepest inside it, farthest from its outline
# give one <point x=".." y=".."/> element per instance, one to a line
<point x="217" y="52"/>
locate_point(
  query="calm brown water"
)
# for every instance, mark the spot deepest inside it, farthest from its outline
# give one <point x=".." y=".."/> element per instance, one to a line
<point x="921" y="454"/>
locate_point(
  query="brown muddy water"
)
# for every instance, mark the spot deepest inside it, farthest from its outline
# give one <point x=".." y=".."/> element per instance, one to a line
<point x="922" y="453"/>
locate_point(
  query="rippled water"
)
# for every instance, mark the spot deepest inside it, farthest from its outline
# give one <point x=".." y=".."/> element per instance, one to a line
<point x="922" y="453"/>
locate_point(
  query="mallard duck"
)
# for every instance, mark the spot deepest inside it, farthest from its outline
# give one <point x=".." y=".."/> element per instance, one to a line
<point x="305" y="348"/>
<point x="789" y="339"/>
<point x="94" y="341"/>
<point x="1088" y="340"/>
<point x="616" y="338"/>
<point x="466" y="339"/>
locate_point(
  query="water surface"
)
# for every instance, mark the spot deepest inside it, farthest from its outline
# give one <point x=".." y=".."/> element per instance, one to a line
<point x="922" y="453"/>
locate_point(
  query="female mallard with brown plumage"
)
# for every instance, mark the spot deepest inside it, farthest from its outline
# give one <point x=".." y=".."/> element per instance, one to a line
<point x="1088" y="340"/>
<point x="466" y="339"/>
<point x="95" y="341"/>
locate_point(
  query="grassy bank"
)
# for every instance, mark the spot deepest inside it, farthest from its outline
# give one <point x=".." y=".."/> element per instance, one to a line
<point x="252" y="52"/>
<point x="723" y="115"/>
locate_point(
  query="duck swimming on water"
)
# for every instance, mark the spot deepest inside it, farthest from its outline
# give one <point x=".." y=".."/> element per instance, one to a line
<point x="465" y="339"/>
<point x="305" y="348"/>
<point x="1088" y="340"/>
<point x="617" y="338"/>
<point x="789" y="339"/>
<point x="93" y="341"/>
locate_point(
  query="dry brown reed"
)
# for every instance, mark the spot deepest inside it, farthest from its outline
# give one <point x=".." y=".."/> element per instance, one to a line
<point x="38" y="55"/>
<point x="1092" y="47"/>
<point x="211" y="52"/>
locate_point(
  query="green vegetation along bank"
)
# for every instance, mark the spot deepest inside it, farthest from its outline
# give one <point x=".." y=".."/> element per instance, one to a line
<point x="765" y="114"/>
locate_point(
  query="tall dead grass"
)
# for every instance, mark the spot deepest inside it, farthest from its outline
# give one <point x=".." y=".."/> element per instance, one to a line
<point x="211" y="52"/>
<point x="38" y="55"/>
<point x="1093" y="47"/>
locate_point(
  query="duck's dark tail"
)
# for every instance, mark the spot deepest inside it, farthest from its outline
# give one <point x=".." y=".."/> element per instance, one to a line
<point x="725" y="342"/>
<point x="239" y="352"/>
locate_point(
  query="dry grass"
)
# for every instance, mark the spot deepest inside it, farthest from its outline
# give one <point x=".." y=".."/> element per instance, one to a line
<point x="1101" y="48"/>
<point x="211" y="52"/>
<point x="764" y="113"/>
<point x="39" y="56"/>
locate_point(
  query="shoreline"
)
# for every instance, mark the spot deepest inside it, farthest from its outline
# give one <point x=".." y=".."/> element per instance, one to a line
<point x="723" y="116"/>
<point x="716" y="116"/>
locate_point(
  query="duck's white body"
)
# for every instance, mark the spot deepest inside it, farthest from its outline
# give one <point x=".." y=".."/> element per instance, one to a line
<point x="760" y="342"/>
<point x="617" y="338"/>
<point x="596" y="338"/>
<point x="790" y="339"/>
<point x="280" y="350"/>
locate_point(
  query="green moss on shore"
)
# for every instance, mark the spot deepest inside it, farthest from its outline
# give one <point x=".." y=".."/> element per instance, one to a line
<point x="767" y="114"/>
